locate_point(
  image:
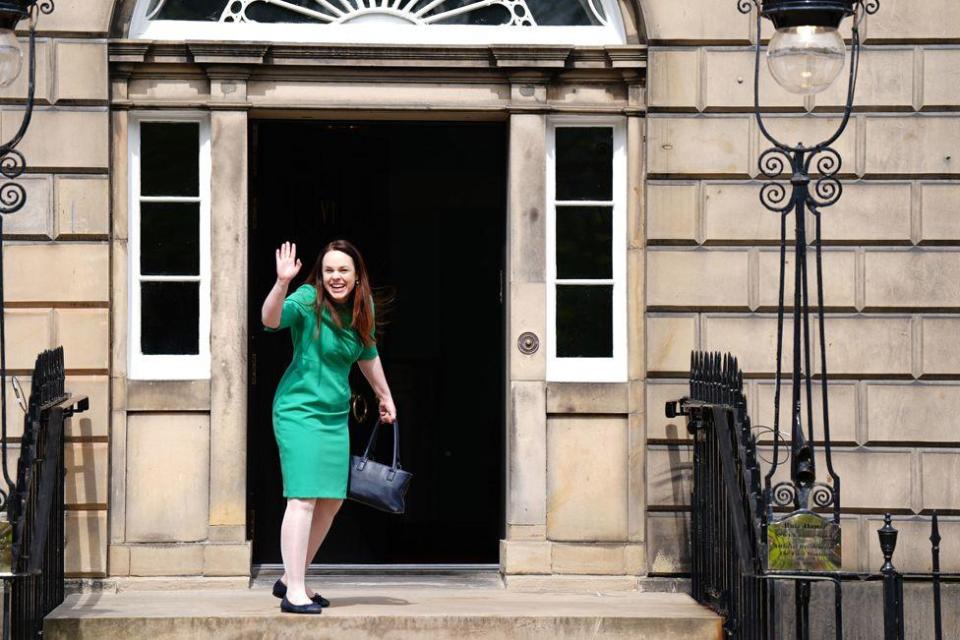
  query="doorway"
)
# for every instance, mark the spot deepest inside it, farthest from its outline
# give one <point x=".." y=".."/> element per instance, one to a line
<point x="425" y="202"/>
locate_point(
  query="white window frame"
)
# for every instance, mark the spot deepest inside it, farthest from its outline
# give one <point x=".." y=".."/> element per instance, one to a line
<point x="613" y="33"/>
<point x="168" y="367"/>
<point x="612" y="369"/>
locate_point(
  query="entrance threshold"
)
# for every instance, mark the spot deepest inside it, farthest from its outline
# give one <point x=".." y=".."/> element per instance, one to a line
<point x="413" y="575"/>
<point x="380" y="569"/>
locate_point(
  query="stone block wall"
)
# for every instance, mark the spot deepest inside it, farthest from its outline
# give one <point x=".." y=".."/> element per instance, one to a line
<point x="57" y="254"/>
<point x="892" y="262"/>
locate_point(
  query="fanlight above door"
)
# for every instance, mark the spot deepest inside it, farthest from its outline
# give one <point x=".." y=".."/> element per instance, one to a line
<point x="451" y="21"/>
<point x="504" y="12"/>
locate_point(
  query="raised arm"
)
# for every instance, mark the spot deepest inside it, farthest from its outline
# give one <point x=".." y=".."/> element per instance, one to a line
<point x="288" y="266"/>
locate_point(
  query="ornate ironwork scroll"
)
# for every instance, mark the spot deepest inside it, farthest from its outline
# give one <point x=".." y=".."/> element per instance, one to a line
<point x="422" y="12"/>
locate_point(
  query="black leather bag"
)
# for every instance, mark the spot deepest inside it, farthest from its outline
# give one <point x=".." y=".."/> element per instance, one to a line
<point x="377" y="485"/>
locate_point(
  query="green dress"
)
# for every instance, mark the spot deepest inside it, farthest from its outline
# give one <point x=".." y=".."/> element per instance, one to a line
<point x="312" y="402"/>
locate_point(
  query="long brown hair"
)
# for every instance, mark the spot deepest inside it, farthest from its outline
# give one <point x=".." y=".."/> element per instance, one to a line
<point x="362" y="319"/>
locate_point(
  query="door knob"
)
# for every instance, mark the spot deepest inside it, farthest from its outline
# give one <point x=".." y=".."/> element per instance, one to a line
<point x="528" y="343"/>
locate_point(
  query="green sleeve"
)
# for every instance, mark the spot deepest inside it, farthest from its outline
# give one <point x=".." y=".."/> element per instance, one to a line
<point x="369" y="353"/>
<point x="295" y="308"/>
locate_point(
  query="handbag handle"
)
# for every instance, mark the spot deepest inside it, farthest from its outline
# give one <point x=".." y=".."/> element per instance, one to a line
<point x="396" y="444"/>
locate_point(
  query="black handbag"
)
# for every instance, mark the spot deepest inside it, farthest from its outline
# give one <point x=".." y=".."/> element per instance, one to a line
<point x="377" y="485"/>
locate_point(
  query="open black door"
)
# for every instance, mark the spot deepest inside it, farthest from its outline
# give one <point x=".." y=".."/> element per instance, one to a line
<point x="426" y="205"/>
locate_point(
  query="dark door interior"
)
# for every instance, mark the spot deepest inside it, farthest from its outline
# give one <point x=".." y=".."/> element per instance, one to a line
<point x="425" y="203"/>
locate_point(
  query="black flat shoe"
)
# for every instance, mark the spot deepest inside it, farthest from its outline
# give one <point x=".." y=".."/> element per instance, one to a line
<point x="313" y="607"/>
<point x="280" y="590"/>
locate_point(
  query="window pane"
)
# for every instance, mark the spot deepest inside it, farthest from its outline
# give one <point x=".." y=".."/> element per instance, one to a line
<point x="170" y="318"/>
<point x="568" y="12"/>
<point x="263" y="12"/>
<point x="192" y="9"/>
<point x="585" y="321"/>
<point x="489" y="15"/>
<point x="584" y="163"/>
<point x="584" y="242"/>
<point x="170" y="159"/>
<point x="170" y="238"/>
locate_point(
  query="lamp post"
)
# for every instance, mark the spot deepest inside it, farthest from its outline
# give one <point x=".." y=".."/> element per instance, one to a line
<point x="805" y="55"/>
<point x="12" y="163"/>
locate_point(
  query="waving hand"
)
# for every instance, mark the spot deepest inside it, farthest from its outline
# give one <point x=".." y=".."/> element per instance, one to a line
<point x="288" y="266"/>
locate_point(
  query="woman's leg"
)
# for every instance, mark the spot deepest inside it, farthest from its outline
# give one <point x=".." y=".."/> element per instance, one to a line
<point x="323" y="514"/>
<point x="294" y="540"/>
<point x="322" y="519"/>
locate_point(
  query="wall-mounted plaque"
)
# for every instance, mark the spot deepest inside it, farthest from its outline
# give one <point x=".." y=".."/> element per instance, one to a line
<point x="6" y="548"/>
<point x="803" y="541"/>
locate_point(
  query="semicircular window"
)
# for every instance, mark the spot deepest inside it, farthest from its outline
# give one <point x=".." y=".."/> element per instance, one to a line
<point x="401" y="21"/>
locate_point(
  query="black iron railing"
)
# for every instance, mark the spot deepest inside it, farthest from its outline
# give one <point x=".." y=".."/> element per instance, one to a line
<point x="730" y="515"/>
<point x="726" y="503"/>
<point x="34" y="577"/>
<point x="894" y="606"/>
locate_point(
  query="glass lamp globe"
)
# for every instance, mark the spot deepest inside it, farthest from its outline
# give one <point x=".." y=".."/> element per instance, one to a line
<point x="11" y="58"/>
<point x="805" y="59"/>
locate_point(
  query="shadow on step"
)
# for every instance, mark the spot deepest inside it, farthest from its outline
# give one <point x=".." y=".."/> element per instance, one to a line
<point x="349" y="602"/>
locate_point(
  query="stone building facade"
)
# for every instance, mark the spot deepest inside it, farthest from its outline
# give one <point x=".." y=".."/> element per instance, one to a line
<point x="596" y="478"/>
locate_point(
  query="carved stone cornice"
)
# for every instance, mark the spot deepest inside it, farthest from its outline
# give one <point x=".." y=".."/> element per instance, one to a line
<point x="592" y="58"/>
<point x="227" y="53"/>
<point x="627" y="57"/>
<point x="228" y="72"/>
<point x="128" y="51"/>
<point x="534" y="78"/>
<point x="168" y="53"/>
<point x="353" y="56"/>
<point x="530" y="57"/>
<point x="379" y="56"/>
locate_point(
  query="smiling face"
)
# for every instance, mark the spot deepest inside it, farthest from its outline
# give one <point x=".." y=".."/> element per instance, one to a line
<point x="339" y="275"/>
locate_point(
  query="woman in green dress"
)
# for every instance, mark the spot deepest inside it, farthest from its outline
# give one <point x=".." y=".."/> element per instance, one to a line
<point x="331" y="322"/>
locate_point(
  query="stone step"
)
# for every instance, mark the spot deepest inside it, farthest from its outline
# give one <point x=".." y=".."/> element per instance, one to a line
<point x="390" y="613"/>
